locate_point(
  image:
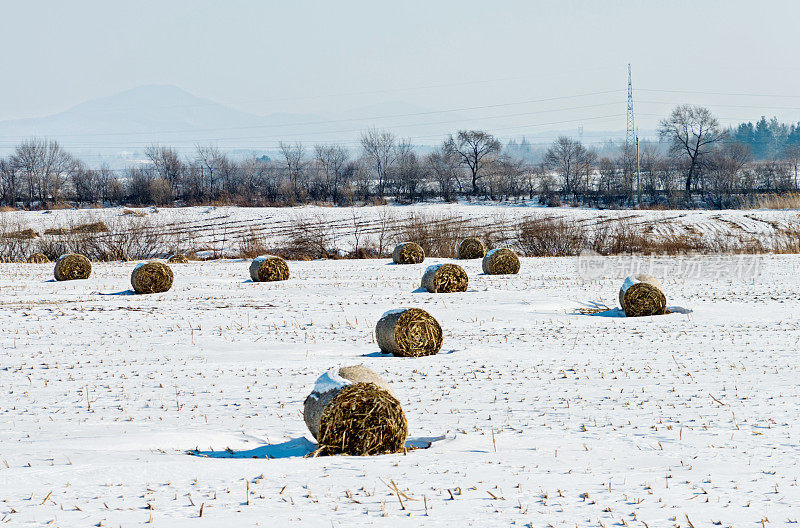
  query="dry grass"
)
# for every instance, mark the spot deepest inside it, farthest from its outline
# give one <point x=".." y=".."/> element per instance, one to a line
<point x="775" y="201"/>
<point x="91" y="227"/>
<point x="131" y="237"/>
<point x="22" y="234"/>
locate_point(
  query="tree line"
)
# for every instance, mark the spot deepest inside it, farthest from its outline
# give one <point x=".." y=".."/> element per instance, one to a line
<point x="695" y="162"/>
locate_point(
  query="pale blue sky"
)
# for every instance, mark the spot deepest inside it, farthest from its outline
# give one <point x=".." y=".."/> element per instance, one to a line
<point x="314" y="57"/>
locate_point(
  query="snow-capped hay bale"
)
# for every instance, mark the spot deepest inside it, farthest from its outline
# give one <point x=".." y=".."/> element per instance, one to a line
<point x="408" y="253"/>
<point x="445" y="278"/>
<point x="408" y="332"/>
<point x="38" y="258"/>
<point x="268" y="269"/>
<point x="352" y="411"/>
<point x="471" y="248"/>
<point x="151" y="277"/>
<point x="72" y="266"/>
<point x="178" y="258"/>
<point x="641" y="295"/>
<point x="328" y="385"/>
<point x="501" y="261"/>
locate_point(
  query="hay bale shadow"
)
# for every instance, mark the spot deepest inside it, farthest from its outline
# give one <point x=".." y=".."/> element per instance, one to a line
<point x="298" y="448"/>
<point x="380" y="354"/>
<point x="377" y="354"/>
<point x="123" y="292"/>
<point x="294" y="448"/>
<point x="619" y="312"/>
<point x="423" y="442"/>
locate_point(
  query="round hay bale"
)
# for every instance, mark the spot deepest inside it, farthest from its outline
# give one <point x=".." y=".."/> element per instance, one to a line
<point x="408" y="332"/>
<point x="268" y="269"/>
<point x="38" y="258"/>
<point x="151" y="277"/>
<point x="408" y="253"/>
<point x="471" y="248"/>
<point x="72" y="266"/>
<point x="445" y="278"/>
<point x="500" y="261"/>
<point x="352" y="411"/>
<point x="641" y="295"/>
<point x="178" y="258"/>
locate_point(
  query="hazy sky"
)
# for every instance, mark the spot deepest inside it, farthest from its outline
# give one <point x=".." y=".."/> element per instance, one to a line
<point x="322" y="56"/>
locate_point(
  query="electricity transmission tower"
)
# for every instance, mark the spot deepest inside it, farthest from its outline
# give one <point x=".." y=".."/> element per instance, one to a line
<point x="631" y="139"/>
<point x="630" y="133"/>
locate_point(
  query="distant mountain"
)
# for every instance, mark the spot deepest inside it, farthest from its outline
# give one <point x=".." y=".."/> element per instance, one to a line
<point x="120" y="126"/>
<point x="142" y="116"/>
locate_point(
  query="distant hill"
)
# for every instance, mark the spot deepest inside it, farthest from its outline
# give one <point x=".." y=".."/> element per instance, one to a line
<point x="120" y="126"/>
<point x="142" y="116"/>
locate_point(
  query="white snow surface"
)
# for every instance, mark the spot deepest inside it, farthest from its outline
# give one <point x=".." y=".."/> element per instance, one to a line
<point x="534" y="414"/>
<point x="220" y="231"/>
<point x="393" y="311"/>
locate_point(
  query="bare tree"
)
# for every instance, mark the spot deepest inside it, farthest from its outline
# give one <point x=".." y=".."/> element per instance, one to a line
<point x="651" y="161"/>
<point x="409" y="173"/>
<point x="9" y="186"/>
<point x="571" y="161"/>
<point x="295" y="166"/>
<point x="332" y="162"/>
<point x="609" y="179"/>
<point x="208" y="159"/>
<point x="380" y="153"/>
<point x="723" y="180"/>
<point x="691" y="132"/>
<point x="792" y="154"/>
<point x="86" y="184"/>
<point x="476" y="149"/>
<point x="443" y="164"/>
<point x="44" y="168"/>
<point x="167" y="164"/>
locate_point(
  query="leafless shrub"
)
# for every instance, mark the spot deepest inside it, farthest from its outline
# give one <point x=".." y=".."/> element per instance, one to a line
<point x="252" y="244"/>
<point x="551" y="237"/>
<point x="437" y="235"/>
<point x="311" y="237"/>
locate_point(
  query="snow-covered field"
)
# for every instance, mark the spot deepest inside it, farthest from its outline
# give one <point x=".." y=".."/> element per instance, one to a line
<point x="221" y="231"/>
<point x="536" y="414"/>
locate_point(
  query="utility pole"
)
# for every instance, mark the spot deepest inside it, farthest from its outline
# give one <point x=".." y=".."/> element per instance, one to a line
<point x="638" y="178"/>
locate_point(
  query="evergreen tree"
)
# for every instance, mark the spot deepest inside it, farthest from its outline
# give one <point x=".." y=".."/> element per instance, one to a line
<point x="763" y="140"/>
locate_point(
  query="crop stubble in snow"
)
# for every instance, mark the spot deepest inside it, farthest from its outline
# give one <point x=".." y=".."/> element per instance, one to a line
<point x="548" y="416"/>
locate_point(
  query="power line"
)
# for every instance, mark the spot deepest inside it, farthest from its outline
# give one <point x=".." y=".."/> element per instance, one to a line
<point x="341" y="143"/>
<point x="346" y="120"/>
<point x="698" y="92"/>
